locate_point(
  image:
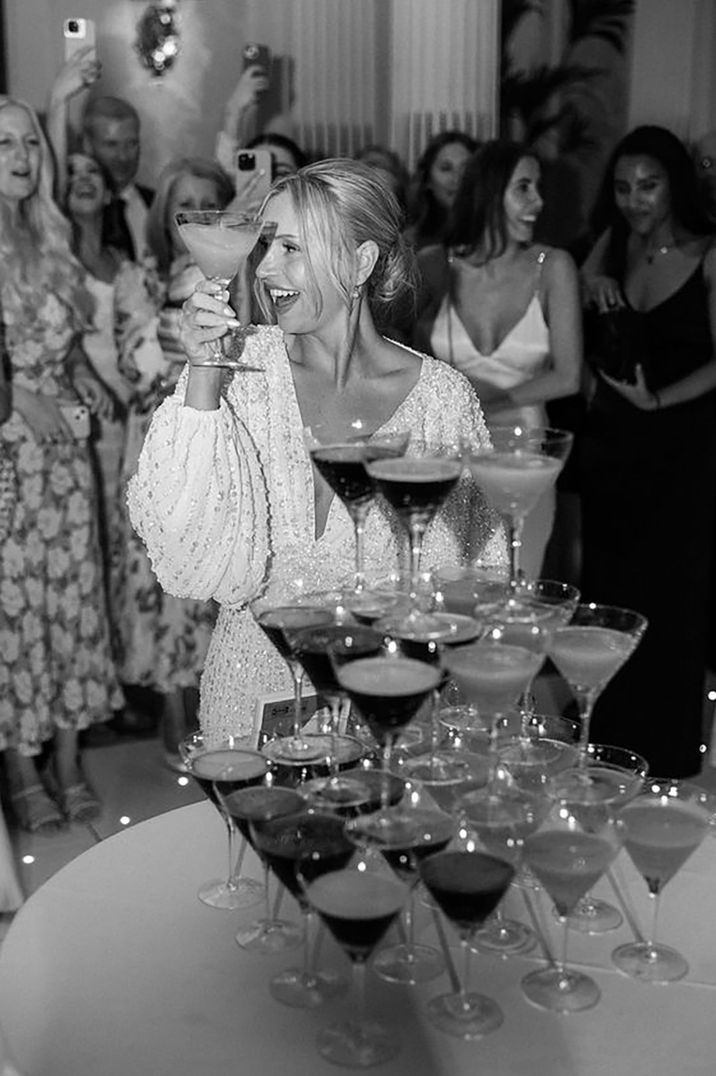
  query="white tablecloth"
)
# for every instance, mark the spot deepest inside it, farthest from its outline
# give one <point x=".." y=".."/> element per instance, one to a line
<point x="114" y="968"/>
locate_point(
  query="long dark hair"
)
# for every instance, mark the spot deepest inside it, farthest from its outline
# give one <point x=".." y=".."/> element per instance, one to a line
<point x="426" y="215"/>
<point x="686" y="207"/>
<point x="478" y="216"/>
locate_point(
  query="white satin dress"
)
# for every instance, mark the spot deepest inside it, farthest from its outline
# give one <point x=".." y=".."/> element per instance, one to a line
<point x="224" y="501"/>
<point x="521" y="355"/>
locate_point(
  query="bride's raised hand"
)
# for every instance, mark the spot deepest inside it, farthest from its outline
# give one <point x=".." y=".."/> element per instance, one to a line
<point x="206" y="316"/>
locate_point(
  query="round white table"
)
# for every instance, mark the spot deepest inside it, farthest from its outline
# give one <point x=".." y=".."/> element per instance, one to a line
<point x="114" y="968"/>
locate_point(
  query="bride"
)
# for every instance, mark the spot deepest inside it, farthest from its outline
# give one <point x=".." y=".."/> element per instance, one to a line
<point x="225" y="495"/>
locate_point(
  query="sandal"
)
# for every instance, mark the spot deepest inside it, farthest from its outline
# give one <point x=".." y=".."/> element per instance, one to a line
<point x="79" y="803"/>
<point x="35" y="811"/>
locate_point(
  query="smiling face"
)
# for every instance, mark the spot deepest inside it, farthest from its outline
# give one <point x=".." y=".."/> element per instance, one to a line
<point x="446" y="172"/>
<point x="522" y="201"/>
<point x="86" y="187"/>
<point x="304" y="297"/>
<point x="189" y="192"/>
<point x="642" y="193"/>
<point x="20" y="155"/>
<point x="115" y="144"/>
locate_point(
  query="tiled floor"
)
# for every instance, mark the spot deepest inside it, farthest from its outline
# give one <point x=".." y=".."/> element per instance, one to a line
<point x="134" y="783"/>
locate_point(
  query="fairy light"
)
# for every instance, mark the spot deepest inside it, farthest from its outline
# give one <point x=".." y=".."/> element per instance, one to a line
<point x="125" y="820"/>
<point x="27" y="860"/>
<point x="182" y="781"/>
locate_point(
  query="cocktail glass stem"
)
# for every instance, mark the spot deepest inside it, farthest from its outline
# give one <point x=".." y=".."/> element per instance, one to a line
<point x="359" y="977"/>
<point x="561" y="963"/>
<point x="234" y="865"/>
<point x="297" y="674"/>
<point x="651" y="951"/>
<point x="387" y="762"/>
<point x="464" y="992"/>
<point x="359" y="514"/>
<point x="585" y="705"/>
<point x="216" y="347"/>
<point x="417" y="533"/>
<point x="515" y="526"/>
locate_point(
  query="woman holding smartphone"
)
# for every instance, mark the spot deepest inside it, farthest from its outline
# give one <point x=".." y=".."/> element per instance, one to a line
<point x="55" y="665"/>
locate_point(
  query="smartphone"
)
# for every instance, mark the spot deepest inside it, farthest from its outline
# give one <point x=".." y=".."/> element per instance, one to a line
<point x="248" y="163"/>
<point x="257" y="54"/>
<point x="78" y="34"/>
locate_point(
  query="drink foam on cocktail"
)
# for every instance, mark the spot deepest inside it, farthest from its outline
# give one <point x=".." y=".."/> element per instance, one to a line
<point x="388" y="677"/>
<point x="212" y="765"/>
<point x="217" y="250"/>
<point x="589" y="656"/>
<point x="514" y="481"/>
<point x="415" y="469"/>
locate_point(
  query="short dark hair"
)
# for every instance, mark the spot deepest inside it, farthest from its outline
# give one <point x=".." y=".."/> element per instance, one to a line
<point x="108" y="108"/>
<point x="478" y="216"/>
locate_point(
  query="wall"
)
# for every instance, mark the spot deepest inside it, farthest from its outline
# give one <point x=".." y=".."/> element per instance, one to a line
<point x="673" y="81"/>
<point x="180" y="112"/>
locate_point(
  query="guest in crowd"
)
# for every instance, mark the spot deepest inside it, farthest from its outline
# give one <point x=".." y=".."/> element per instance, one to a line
<point x="649" y="448"/>
<point x="163" y="640"/>
<point x="111" y="134"/>
<point x="437" y="179"/>
<point x="85" y="200"/>
<point x="502" y="309"/>
<point x="389" y="167"/>
<point x="225" y="495"/>
<point x="55" y="667"/>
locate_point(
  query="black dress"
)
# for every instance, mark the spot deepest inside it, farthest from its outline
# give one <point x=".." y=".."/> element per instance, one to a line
<point x="648" y="481"/>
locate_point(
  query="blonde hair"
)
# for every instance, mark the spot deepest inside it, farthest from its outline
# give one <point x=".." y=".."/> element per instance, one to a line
<point x="343" y="204"/>
<point x="35" y="244"/>
<point x="159" y="236"/>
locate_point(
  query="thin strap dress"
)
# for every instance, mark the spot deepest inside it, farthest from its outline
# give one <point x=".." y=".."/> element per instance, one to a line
<point x="648" y="531"/>
<point x="521" y="355"/>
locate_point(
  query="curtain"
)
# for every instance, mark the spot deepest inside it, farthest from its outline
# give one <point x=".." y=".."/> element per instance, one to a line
<point x="389" y="71"/>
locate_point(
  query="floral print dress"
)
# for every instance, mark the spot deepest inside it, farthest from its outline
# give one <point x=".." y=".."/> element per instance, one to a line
<point x="160" y="641"/>
<point x="56" y="669"/>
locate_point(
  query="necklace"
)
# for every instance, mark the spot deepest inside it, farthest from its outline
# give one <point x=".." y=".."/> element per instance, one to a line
<point x="659" y="250"/>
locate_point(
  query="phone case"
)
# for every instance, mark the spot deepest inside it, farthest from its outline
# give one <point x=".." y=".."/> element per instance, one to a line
<point x="250" y="161"/>
<point x="77" y="417"/>
<point x="78" y="34"/>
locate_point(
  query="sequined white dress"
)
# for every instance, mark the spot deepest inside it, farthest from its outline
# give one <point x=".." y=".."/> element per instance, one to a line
<point x="224" y="501"/>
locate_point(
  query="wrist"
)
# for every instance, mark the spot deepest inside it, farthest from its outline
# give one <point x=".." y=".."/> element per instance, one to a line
<point x="656" y="400"/>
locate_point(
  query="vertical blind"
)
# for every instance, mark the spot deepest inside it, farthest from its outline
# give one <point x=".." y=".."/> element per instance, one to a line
<point x="387" y="71"/>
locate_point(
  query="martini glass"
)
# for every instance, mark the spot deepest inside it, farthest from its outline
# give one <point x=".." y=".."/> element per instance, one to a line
<point x="415" y="486"/>
<point x="492" y="676"/>
<point x="261" y="803"/>
<point x="591" y="649"/>
<point x="415" y="832"/>
<point x="575" y="845"/>
<point x="313" y="647"/>
<point x="616" y="775"/>
<point x="522" y="464"/>
<point x="300" y="848"/>
<point x="429" y="647"/>
<point x="341" y="459"/>
<point x="219" y="242"/>
<point x="503" y="815"/>
<point x="387" y="691"/>
<point x="663" y="826"/>
<point x="463" y="588"/>
<point x="280" y="622"/>
<point x="246" y="768"/>
<point x="358" y="906"/>
<point x="466" y="886"/>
